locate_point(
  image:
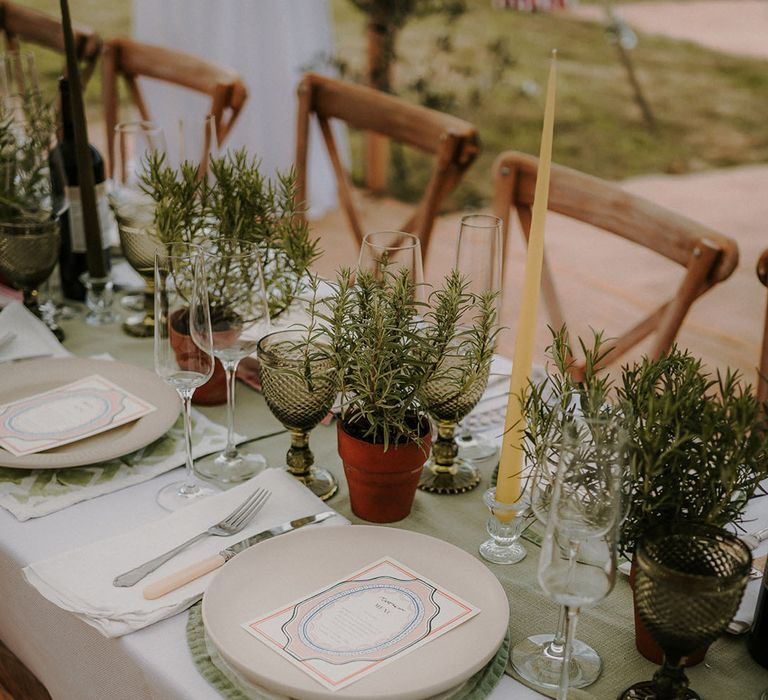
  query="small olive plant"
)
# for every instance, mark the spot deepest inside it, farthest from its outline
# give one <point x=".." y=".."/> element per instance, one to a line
<point x="697" y="444"/>
<point x="385" y="345"/>
<point x="25" y="142"/>
<point x="235" y="201"/>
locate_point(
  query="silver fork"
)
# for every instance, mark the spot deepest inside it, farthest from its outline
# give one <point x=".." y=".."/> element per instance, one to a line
<point x="230" y="525"/>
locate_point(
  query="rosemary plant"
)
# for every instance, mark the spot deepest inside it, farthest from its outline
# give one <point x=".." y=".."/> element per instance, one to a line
<point x="385" y="346"/>
<point x="235" y="202"/>
<point x="25" y="141"/>
<point x="697" y="443"/>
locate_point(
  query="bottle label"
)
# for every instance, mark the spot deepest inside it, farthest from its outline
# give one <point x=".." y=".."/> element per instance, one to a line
<point x="76" y="229"/>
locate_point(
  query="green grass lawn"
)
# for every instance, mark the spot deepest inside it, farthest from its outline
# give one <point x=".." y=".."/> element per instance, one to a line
<point x="710" y="107"/>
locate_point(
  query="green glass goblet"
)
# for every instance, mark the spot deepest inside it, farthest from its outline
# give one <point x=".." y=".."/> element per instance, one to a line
<point x="299" y="385"/>
<point x="449" y="395"/>
<point x="688" y="587"/>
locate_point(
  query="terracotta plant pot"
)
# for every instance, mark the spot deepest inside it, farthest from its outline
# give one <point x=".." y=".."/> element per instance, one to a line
<point x="382" y="485"/>
<point x="214" y="391"/>
<point x="644" y="641"/>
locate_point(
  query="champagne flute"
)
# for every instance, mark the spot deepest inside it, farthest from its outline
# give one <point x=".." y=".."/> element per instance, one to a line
<point x="391" y="251"/>
<point x="478" y="258"/>
<point x="134" y="143"/>
<point x="183" y="348"/>
<point x="239" y="313"/>
<point x="577" y="564"/>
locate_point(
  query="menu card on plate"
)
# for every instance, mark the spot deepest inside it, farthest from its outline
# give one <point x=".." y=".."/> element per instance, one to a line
<point x="71" y="412"/>
<point x="360" y="623"/>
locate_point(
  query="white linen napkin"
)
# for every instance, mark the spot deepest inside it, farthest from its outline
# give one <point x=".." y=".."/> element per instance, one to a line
<point x="81" y="580"/>
<point x="28" y="335"/>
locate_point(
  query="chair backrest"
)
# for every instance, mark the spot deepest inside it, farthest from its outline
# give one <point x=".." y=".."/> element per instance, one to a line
<point x="453" y="142"/>
<point x="23" y="23"/>
<point x="762" y="372"/>
<point x="708" y="257"/>
<point x="133" y="59"/>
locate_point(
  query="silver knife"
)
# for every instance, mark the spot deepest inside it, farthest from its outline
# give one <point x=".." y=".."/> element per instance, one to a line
<point x="195" y="571"/>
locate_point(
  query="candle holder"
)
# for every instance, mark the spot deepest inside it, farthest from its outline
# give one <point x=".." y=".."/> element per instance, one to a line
<point x="99" y="294"/>
<point x="504" y="526"/>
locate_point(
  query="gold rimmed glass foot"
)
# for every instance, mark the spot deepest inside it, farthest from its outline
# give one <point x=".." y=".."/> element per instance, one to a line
<point x="445" y="472"/>
<point x="142" y="325"/>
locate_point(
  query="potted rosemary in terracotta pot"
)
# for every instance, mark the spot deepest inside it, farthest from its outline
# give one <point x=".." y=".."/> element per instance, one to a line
<point x="236" y="202"/>
<point x="385" y="346"/>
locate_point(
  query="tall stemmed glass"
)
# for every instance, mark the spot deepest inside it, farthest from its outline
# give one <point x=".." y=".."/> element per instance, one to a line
<point x="183" y="348"/>
<point x="577" y="564"/>
<point x="539" y="657"/>
<point x="134" y="144"/>
<point x="478" y="258"/>
<point x="240" y="318"/>
<point x="392" y="250"/>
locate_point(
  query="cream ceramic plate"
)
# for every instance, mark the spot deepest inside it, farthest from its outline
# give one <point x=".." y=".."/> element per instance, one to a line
<point x="282" y="569"/>
<point x="21" y="379"/>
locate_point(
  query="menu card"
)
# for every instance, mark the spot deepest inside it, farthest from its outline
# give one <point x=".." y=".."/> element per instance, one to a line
<point x="360" y="623"/>
<point x="71" y="412"/>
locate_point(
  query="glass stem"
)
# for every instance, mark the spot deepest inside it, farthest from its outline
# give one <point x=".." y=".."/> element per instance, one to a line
<point x="571" y="617"/>
<point x="190" y="485"/>
<point x="230" y="371"/>
<point x="556" y="647"/>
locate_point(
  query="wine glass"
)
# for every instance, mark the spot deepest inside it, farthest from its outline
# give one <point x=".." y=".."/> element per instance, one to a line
<point x="577" y="564"/>
<point x="299" y="382"/>
<point x="133" y="145"/>
<point x="392" y="251"/>
<point x="689" y="584"/>
<point x="240" y="318"/>
<point x="196" y="141"/>
<point x="478" y="258"/>
<point x="183" y="348"/>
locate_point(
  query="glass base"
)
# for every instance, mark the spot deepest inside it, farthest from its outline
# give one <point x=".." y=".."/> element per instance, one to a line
<point x="320" y="482"/>
<point x="139" y="326"/>
<point x="647" y="691"/>
<point x="474" y="447"/>
<point x="463" y="477"/>
<point x="231" y="469"/>
<point x="497" y="554"/>
<point x="177" y="495"/>
<point x="531" y="660"/>
<point x="101" y="318"/>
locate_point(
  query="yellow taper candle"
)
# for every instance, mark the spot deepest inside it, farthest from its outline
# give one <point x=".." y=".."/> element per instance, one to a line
<point x="510" y="463"/>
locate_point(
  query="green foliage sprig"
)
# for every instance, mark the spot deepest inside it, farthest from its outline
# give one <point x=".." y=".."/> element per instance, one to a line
<point x="236" y="201"/>
<point x="386" y="346"/>
<point x="697" y="443"/>
<point x="25" y="141"/>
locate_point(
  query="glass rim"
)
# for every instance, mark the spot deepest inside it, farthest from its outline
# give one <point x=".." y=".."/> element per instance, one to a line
<point x="481" y="220"/>
<point x="414" y="240"/>
<point x="143" y="126"/>
<point x="268" y="355"/>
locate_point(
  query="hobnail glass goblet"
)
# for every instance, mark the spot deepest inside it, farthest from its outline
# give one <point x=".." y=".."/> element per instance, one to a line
<point x="299" y="385"/>
<point x="28" y="253"/>
<point x="689" y="585"/>
<point x="448" y="396"/>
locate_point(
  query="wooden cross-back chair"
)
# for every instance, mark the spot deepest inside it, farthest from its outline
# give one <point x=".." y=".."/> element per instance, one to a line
<point x="762" y="372"/>
<point x="20" y="23"/>
<point x="133" y="59"/>
<point x="707" y="257"/>
<point x="451" y="141"/>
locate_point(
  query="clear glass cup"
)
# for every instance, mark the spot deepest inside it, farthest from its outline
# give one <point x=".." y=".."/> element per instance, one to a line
<point x="239" y="313"/>
<point x="183" y="348"/>
<point x="478" y="257"/>
<point x="134" y="143"/>
<point x="195" y="140"/>
<point x="577" y="563"/>
<point x="393" y="250"/>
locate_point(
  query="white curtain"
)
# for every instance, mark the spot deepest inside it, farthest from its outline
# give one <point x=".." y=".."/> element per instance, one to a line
<point x="271" y="43"/>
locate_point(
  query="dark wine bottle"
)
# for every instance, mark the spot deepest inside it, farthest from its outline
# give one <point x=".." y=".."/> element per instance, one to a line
<point x="72" y="257"/>
<point x="757" y="642"/>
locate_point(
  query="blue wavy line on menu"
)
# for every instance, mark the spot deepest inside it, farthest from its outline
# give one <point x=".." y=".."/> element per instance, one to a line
<point x="16" y="416"/>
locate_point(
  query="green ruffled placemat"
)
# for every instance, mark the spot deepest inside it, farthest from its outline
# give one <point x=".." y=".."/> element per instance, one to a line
<point x="477" y="687"/>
